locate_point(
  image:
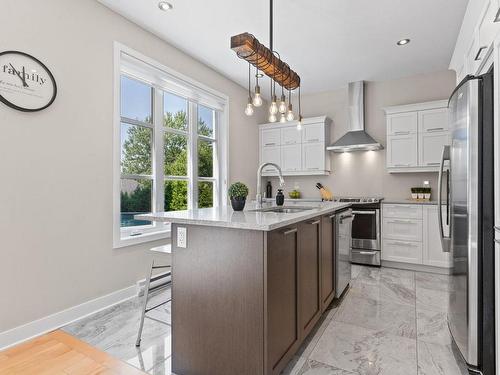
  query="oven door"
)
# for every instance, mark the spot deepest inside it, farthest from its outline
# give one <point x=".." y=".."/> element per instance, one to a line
<point x="366" y="229"/>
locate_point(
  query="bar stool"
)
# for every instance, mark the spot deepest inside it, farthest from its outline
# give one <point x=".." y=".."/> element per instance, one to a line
<point x="166" y="252"/>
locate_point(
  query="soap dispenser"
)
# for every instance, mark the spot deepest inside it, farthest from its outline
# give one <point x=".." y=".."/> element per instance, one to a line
<point x="280" y="198"/>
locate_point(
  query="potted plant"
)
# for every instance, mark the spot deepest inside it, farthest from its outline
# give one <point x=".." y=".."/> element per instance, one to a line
<point x="427" y="193"/>
<point x="238" y="193"/>
<point x="414" y="193"/>
<point x="420" y="193"/>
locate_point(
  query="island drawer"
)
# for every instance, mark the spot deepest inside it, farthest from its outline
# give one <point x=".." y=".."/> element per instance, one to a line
<point x="403" y="211"/>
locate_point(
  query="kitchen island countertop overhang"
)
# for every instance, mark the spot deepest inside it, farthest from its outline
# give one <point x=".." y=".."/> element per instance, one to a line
<point x="249" y="219"/>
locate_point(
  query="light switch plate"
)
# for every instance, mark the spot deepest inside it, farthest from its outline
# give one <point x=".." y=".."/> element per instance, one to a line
<point x="182" y="237"/>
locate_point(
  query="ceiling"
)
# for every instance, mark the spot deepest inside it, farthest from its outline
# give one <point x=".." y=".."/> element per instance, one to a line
<point x="328" y="42"/>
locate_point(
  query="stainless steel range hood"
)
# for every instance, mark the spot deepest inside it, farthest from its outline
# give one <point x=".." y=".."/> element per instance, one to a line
<point x="356" y="139"/>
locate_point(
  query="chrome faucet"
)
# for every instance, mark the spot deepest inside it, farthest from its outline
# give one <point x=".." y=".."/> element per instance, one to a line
<point x="258" y="198"/>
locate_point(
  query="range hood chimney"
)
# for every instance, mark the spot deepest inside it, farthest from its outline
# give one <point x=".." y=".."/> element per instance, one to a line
<point x="356" y="139"/>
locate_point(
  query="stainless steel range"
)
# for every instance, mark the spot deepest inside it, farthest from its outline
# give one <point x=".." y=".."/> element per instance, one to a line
<point x="366" y="242"/>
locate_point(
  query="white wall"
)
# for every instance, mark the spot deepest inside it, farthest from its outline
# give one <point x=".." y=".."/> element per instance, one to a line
<point x="56" y="165"/>
<point x="364" y="173"/>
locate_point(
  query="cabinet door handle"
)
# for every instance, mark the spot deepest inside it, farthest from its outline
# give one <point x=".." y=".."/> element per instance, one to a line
<point x="315" y="222"/>
<point x="402" y="165"/>
<point x="437" y="163"/>
<point x="333" y="216"/>
<point x="479" y="53"/>
<point x="435" y="129"/>
<point x="400" y="221"/>
<point x="402" y="243"/>
<point x="367" y="252"/>
<point x="313" y="168"/>
<point x="401" y="133"/>
<point x="270" y="144"/>
<point x="290" y="231"/>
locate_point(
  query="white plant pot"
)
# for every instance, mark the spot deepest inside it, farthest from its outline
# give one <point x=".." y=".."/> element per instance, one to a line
<point x="414" y="195"/>
<point x="427" y="195"/>
<point x="420" y="195"/>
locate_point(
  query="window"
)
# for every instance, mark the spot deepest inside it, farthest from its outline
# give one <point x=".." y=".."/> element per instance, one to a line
<point x="171" y="142"/>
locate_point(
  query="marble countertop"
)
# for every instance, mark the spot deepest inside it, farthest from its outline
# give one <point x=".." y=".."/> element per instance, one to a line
<point x="407" y="201"/>
<point x="224" y="216"/>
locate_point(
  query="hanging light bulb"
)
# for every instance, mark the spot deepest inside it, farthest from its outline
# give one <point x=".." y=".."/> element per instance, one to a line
<point x="282" y="104"/>
<point x="290" y="115"/>
<point x="249" y="107"/>
<point x="299" y="123"/>
<point x="272" y="118"/>
<point x="273" y="109"/>
<point x="257" y="99"/>
<point x="283" y="118"/>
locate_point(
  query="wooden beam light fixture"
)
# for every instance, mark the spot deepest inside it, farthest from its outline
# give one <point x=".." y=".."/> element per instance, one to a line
<point x="248" y="48"/>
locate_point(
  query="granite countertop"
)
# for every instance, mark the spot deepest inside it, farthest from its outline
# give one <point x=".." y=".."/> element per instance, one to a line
<point x="407" y="201"/>
<point x="224" y="216"/>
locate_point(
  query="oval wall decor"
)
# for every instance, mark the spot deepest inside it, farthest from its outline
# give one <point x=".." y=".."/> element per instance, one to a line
<point x="26" y="84"/>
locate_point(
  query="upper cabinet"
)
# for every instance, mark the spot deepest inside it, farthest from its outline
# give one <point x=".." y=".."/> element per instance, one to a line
<point x="297" y="152"/>
<point x="416" y="134"/>
<point x="474" y="47"/>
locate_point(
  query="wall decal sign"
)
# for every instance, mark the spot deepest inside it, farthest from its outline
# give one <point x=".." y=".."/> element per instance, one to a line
<point x="26" y="84"/>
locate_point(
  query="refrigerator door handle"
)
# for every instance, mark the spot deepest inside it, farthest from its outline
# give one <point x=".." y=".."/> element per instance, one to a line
<point x="445" y="241"/>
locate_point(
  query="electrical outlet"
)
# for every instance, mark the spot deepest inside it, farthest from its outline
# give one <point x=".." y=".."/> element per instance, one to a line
<point x="182" y="237"/>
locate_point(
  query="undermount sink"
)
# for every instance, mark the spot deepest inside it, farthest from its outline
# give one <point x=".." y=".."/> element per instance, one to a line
<point x="284" y="209"/>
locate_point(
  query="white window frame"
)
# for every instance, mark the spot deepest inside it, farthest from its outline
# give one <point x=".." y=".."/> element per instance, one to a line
<point x="139" y="67"/>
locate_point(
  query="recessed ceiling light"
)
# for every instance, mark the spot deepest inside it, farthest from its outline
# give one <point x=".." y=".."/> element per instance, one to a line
<point x="403" y="42"/>
<point x="165" y="5"/>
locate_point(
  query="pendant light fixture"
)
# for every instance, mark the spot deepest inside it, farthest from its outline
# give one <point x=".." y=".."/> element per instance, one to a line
<point x="289" y="115"/>
<point x="257" y="98"/>
<point x="249" y="107"/>
<point x="269" y="62"/>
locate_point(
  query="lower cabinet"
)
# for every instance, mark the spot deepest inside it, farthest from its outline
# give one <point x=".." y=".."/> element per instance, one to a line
<point x="327" y="261"/>
<point x="309" y="275"/>
<point x="411" y="235"/>
<point x="300" y="285"/>
<point x="283" y="334"/>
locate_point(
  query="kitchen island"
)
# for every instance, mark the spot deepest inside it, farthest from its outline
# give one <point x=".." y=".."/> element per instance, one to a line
<point x="248" y="287"/>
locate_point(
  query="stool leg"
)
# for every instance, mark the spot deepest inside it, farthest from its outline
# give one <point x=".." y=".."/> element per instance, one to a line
<point x="145" y="305"/>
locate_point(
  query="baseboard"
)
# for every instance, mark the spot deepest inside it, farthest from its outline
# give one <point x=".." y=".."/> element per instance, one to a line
<point x="416" y="267"/>
<point x="49" y="323"/>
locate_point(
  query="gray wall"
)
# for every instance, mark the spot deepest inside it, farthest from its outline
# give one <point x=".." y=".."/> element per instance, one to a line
<point x="56" y="190"/>
<point x="364" y="173"/>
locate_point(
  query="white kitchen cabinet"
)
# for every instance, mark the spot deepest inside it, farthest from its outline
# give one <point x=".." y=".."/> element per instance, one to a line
<point x="271" y="137"/>
<point x="430" y="147"/>
<point x="402" y="229"/>
<point x="291" y="158"/>
<point x="270" y="155"/>
<point x="313" y="133"/>
<point x="411" y="235"/>
<point x="402" y="123"/>
<point x="433" y="254"/>
<point x="290" y="136"/>
<point x="403" y="211"/>
<point x="313" y="155"/>
<point x="416" y="134"/>
<point x="402" y="151"/>
<point x="402" y="251"/>
<point x="297" y="152"/>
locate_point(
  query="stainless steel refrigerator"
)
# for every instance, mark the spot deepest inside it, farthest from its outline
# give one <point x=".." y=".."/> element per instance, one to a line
<point x="466" y="199"/>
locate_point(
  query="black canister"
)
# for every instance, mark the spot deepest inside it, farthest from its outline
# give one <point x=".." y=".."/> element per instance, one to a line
<point x="269" y="190"/>
<point x="280" y="198"/>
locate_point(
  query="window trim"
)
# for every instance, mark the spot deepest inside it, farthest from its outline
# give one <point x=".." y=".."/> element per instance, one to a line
<point x="165" y="78"/>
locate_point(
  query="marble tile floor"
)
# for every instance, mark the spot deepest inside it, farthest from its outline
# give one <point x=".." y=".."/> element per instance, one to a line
<point x="390" y="322"/>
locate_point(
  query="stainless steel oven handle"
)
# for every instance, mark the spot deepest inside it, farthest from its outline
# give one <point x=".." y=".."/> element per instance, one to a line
<point x="445" y="241"/>
<point x="367" y="252"/>
<point x="364" y="212"/>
